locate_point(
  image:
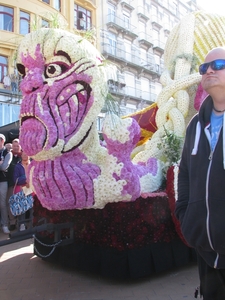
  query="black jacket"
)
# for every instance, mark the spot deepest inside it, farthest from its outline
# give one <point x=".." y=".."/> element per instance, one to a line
<point x="15" y="160"/>
<point x="4" y="166"/>
<point x="200" y="207"/>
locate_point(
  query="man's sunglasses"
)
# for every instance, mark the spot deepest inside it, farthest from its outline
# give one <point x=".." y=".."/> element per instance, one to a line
<point x="215" y="65"/>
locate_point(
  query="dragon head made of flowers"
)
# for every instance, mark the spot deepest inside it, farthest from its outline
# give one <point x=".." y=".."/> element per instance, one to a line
<point x="64" y="87"/>
<point x="63" y="84"/>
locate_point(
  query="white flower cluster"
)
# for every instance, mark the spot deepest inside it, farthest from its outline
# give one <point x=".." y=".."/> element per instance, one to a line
<point x="175" y="182"/>
<point x="116" y="128"/>
<point x="106" y="187"/>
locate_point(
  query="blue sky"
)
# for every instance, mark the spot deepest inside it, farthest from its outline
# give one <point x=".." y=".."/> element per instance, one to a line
<point x="215" y="6"/>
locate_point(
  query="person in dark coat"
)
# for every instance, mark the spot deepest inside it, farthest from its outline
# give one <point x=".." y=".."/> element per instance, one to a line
<point x="200" y="207"/>
<point x="16" y="152"/>
<point x="20" y="179"/>
<point x="5" y="160"/>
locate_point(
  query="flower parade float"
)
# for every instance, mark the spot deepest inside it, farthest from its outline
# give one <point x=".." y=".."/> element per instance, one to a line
<point x="120" y="218"/>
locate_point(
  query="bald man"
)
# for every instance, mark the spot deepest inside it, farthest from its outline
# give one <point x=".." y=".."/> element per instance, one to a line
<point x="200" y="207"/>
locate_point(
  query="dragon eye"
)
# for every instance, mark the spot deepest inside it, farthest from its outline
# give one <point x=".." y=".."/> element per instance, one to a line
<point x="54" y="70"/>
<point x="21" y="70"/>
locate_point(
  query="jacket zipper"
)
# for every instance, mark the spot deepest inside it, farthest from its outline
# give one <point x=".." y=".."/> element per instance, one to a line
<point x="207" y="206"/>
<point x="207" y="197"/>
<point x="211" y="155"/>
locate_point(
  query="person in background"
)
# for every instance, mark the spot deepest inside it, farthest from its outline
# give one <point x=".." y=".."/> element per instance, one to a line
<point x="5" y="160"/>
<point x="16" y="152"/>
<point x="8" y="146"/>
<point x="200" y="207"/>
<point x="14" y="83"/>
<point x="20" y="180"/>
<point x="7" y="82"/>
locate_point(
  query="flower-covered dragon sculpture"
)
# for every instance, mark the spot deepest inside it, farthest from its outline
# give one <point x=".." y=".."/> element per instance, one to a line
<point x="64" y="87"/>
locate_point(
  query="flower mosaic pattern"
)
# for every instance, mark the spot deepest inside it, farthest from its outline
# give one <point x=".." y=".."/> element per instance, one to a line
<point x="64" y="87"/>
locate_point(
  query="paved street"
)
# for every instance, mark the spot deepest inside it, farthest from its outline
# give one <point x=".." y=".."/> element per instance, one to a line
<point x="23" y="276"/>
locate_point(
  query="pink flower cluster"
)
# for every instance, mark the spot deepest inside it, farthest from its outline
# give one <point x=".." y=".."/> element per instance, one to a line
<point x="130" y="172"/>
<point x="65" y="182"/>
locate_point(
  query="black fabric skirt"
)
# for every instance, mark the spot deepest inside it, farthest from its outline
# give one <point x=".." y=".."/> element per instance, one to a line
<point x="122" y="240"/>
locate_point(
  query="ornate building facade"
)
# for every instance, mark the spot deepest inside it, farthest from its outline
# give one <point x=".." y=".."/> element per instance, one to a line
<point x="130" y="34"/>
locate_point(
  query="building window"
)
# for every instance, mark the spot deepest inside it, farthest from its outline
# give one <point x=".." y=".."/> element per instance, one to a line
<point x="6" y="18"/>
<point x="111" y="13"/>
<point x="46" y="1"/>
<point x="142" y="27"/>
<point x="154" y="10"/>
<point x="9" y="113"/>
<point x="126" y="19"/>
<point x="3" y="67"/>
<point x="24" y="23"/>
<point x="82" y="18"/>
<point x="57" y="4"/>
<point x="44" y="23"/>
<point x="112" y="43"/>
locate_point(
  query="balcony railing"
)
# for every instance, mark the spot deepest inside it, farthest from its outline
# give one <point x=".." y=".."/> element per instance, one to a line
<point x="7" y="96"/>
<point x="127" y="4"/>
<point x="122" y="25"/>
<point x="159" y="46"/>
<point x="144" y="38"/>
<point x="130" y="59"/>
<point x="115" y="53"/>
<point x="156" y="21"/>
<point x="167" y="27"/>
<point x="116" y="87"/>
<point x="131" y="92"/>
<point x="142" y="13"/>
